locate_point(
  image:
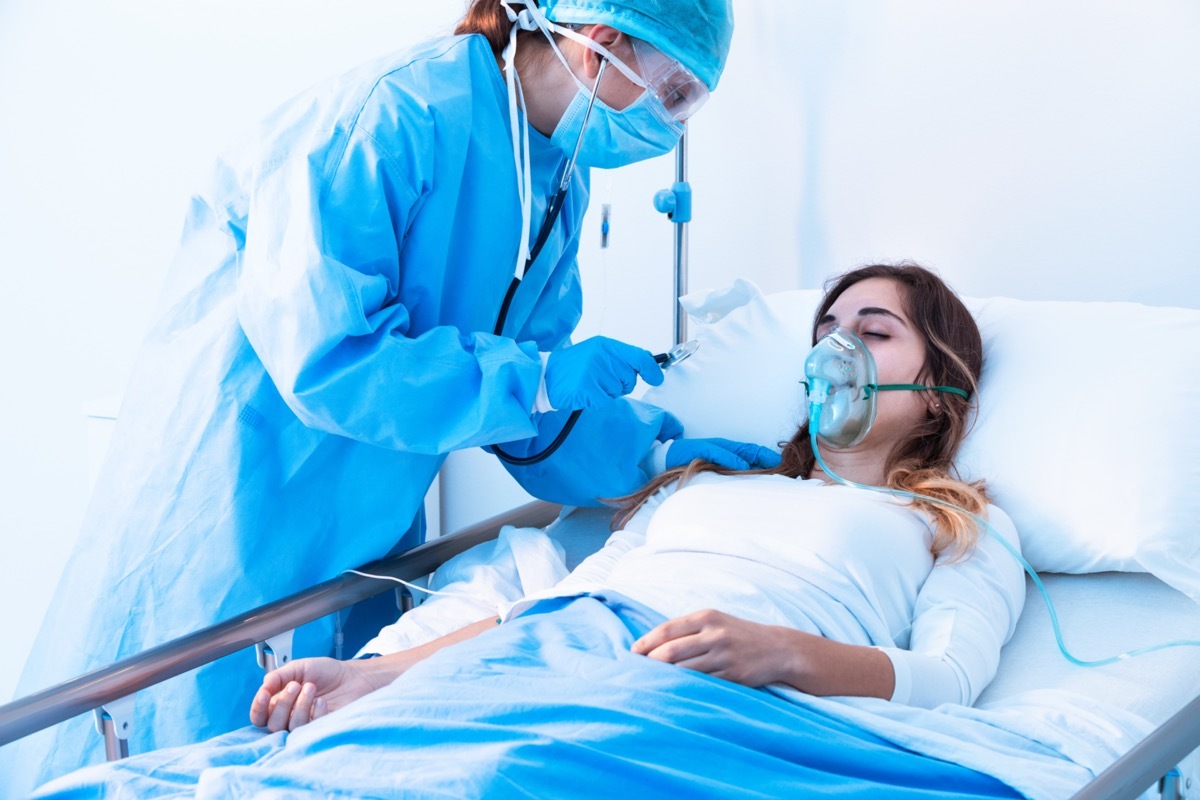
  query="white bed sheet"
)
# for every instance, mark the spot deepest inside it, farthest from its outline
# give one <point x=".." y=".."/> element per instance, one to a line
<point x="1102" y="615"/>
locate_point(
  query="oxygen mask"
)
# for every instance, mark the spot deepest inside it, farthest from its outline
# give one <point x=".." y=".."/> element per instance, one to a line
<point x="841" y="382"/>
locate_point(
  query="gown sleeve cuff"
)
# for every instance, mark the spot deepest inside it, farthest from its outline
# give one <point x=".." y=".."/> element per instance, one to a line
<point x="541" y="403"/>
<point x="655" y="462"/>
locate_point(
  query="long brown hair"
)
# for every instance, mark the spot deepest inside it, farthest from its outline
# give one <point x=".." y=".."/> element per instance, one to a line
<point x="923" y="462"/>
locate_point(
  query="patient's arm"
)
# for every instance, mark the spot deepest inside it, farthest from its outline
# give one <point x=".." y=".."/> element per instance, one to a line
<point x="754" y="654"/>
<point x="963" y="615"/>
<point x="308" y="688"/>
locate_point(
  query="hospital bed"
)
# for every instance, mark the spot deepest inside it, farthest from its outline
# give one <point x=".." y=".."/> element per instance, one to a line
<point x="1045" y="450"/>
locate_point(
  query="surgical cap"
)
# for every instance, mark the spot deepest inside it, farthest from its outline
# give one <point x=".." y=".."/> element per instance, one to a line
<point x="696" y="33"/>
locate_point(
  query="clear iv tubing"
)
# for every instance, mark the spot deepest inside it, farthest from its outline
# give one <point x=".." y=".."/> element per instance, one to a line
<point x="814" y="415"/>
<point x="402" y="582"/>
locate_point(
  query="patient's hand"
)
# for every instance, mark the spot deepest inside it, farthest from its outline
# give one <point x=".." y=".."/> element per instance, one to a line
<point x="303" y="690"/>
<point x="719" y="644"/>
<point x="754" y="654"/>
<point x="308" y="688"/>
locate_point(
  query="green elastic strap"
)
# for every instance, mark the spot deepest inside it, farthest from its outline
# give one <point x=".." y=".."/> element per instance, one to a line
<point x="916" y="387"/>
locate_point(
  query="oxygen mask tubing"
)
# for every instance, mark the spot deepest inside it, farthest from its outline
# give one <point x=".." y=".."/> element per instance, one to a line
<point x="842" y="386"/>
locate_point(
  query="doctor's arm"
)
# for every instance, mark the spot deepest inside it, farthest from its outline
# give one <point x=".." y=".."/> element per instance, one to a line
<point x="318" y="299"/>
<point x="616" y="449"/>
<point x="604" y="456"/>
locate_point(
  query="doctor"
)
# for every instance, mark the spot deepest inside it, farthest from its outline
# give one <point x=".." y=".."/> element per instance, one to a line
<point x="332" y="327"/>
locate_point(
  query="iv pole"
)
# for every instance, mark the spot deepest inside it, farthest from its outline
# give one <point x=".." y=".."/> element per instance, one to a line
<point x="676" y="203"/>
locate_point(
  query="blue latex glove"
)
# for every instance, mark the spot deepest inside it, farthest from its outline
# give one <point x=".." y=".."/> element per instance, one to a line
<point x="722" y="452"/>
<point x="596" y="370"/>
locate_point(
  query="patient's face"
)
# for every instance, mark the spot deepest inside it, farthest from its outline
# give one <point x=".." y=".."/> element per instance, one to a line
<point x="877" y="310"/>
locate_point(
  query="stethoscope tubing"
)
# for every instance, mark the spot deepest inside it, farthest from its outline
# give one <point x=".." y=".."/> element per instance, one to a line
<point x="553" y="211"/>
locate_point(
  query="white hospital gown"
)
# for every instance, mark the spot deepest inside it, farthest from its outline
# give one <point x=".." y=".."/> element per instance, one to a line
<point x="848" y="564"/>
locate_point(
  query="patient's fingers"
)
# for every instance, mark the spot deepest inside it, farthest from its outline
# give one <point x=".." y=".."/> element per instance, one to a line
<point x="674" y="629"/>
<point x="677" y="651"/>
<point x="260" y="707"/>
<point x="302" y="709"/>
<point x="278" y="718"/>
<point x="707" y="662"/>
<point x="264" y="700"/>
<point x="274" y="681"/>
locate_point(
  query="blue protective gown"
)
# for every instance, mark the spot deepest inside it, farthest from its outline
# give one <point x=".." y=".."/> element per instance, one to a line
<point x="324" y="340"/>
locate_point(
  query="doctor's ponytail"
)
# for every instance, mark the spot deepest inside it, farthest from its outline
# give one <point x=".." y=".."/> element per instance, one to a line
<point x="490" y="20"/>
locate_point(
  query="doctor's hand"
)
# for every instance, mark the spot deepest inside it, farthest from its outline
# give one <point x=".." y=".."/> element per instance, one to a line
<point x="595" y="371"/>
<point x="303" y="690"/>
<point x="722" y="452"/>
<point x="721" y="645"/>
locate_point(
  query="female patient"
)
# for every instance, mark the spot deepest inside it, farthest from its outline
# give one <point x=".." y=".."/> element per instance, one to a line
<point x="642" y="671"/>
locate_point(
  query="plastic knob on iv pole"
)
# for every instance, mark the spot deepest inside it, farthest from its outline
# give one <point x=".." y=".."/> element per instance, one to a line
<point x="675" y="202"/>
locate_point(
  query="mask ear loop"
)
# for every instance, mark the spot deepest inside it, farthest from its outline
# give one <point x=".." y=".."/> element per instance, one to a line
<point x="532" y="17"/>
<point x="520" y="137"/>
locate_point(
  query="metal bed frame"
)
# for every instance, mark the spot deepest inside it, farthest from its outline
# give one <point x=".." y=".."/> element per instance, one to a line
<point x="108" y="692"/>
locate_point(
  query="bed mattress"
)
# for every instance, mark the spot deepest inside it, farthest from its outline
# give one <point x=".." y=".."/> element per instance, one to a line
<point x="1102" y="615"/>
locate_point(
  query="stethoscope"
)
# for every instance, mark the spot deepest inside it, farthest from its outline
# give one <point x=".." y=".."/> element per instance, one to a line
<point x="553" y="210"/>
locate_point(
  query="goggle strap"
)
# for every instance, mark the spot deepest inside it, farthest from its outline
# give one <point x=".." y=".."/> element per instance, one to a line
<point x="532" y="18"/>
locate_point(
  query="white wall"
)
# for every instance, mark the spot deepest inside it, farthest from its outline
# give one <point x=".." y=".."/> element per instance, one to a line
<point x="1029" y="148"/>
<point x="1038" y="149"/>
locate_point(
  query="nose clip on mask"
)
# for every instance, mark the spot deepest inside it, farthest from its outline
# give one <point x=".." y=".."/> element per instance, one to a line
<point x="841" y="379"/>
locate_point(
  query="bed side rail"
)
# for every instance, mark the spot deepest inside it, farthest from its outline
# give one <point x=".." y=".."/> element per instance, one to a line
<point x="1148" y="760"/>
<point x="109" y="684"/>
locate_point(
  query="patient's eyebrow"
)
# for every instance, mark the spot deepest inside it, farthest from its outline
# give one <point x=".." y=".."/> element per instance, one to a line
<point x="869" y="311"/>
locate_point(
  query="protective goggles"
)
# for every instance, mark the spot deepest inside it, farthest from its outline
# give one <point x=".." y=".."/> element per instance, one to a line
<point x="676" y="87"/>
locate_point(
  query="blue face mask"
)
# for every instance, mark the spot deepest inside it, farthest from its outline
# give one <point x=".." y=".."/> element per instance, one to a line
<point x="611" y="138"/>
<point x="614" y="138"/>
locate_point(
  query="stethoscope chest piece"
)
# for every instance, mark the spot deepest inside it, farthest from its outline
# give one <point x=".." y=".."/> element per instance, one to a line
<point x="680" y="352"/>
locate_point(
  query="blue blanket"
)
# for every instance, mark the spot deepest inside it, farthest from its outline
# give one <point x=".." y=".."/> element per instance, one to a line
<point x="550" y="704"/>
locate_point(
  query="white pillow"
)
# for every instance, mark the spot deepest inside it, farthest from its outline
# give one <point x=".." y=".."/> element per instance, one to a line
<point x="1089" y="417"/>
<point x="744" y="381"/>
